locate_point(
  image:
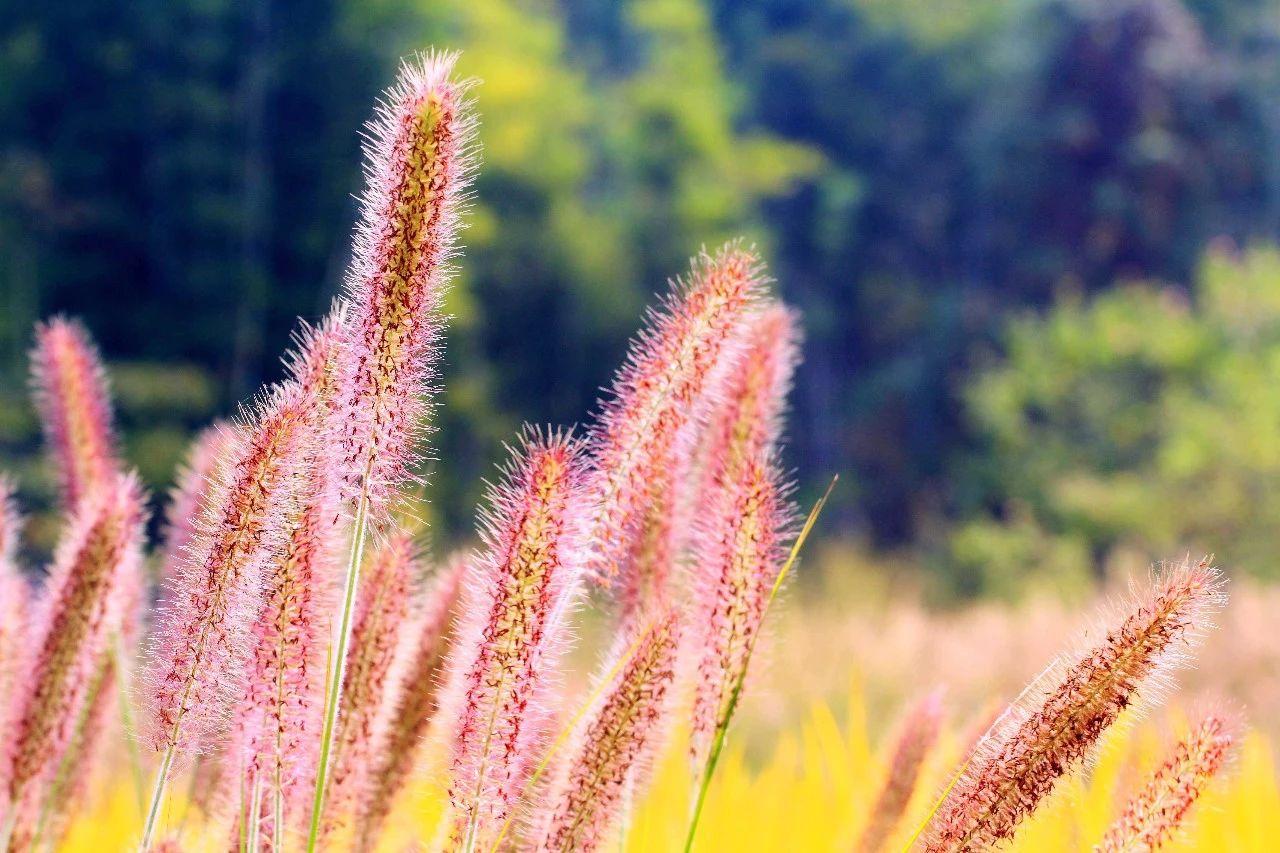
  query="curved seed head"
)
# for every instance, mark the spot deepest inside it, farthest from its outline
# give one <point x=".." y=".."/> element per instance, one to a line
<point x="513" y="627"/>
<point x="1052" y="733"/>
<point x="71" y="396"/>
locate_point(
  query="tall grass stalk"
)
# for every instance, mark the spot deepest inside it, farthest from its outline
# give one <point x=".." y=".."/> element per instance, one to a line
<point x="722" y="725"/>
<point x="338" y="667"/>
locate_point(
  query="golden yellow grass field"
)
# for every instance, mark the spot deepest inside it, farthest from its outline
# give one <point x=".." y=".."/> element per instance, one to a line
<point x="808" y="753"/>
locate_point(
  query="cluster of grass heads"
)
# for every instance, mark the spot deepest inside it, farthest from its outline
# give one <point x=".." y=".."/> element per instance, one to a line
<point x="815" y="789"/>
<point x="299" y="668"/>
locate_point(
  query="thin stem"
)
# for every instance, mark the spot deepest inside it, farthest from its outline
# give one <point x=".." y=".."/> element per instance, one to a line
<point x="333" y="695"/>
<point x="722" y="725"/>
<point x="157" y="797"/>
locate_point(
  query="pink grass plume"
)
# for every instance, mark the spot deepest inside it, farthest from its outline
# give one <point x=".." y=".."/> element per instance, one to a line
<point x="610" y="752"/>
<point x="276" y="722"/>
<point x="1054" y="730"/>
<point x="750" y="396"/>
<point x="516" y="602"/>
<point x="207" y="459"/>
<point x="1155" y="813"/>
<point x="81" y="606"/>
<point x="741" y="546"/>
<point x="915" y="738"/>
<point x="70" y="391"/>
<point x="198" y="661"/>
<point x="419" y="158"/>
<point x="380" y="645"/>
<point x="642" y="441"/>
<point x="418" y="698"/>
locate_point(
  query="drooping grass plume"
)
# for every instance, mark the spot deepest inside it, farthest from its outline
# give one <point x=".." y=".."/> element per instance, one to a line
<point x="70" y="393"/>
<point x="418" y="163"/>
<point x="1152" y="817"/>
<point x="375" y="672"/>
<point x="611" y="750"/>
<point x="80" y="607"/>
<point x="1050" y="735"/>
<point x="642" y="441"/>
<point x="15" y="595"/>
<point x="517" y="596"/>
<point x="206" y="463"/>
<point x="740" y="548"/>
<point x="197" y="663"/>
<point x="276" y="724"/>
<point x="915" y="739"/>
<point x="418" y="697"/>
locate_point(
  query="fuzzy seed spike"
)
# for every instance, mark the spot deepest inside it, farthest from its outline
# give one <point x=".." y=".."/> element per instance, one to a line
<point x="751" y="395"/>
<point x="70" y="391"/>
<point x="916" y="737"/>
<point x="419" y="158"/>
<point x="642" y="441"/>
<point x="1152" y="817"/>
<point x="740" y="549"/>
<point x="197" y="661"/>
<point x="518" y="593"/>
<point x="81" y="606"/>
<point x="1014" y="770"/>
<point x="277" y="720"/>
<point x="611" y="751"/>
<point x="380" y="645"/>
<point x="206" y="463"/>
<point x="418" y="698"/>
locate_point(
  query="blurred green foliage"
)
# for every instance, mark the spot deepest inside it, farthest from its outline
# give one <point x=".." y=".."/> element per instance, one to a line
<point x="1144" y="417"/>
<point x="179" y="173"/>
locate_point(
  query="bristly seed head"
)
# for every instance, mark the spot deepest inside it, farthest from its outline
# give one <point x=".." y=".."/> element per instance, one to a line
<point x="210" y="453"/>
<point x="82" y="605"/>
<point x="1156" y="812"/>
<point x="1014" y="770"/>
<point x="740" y="548"/>
<point x="610" y="752"/>
<point x="642" y="442"/>
<point x="416" y="706"/>
<point x="70" y="391"/>
<point x="916" y="737"/>
<point x="380" y="644"/>
<point x="277" y="723"/>
<point x="419" y="158"/>
<point x="197" y="662"/>
<point x="517" y="598"/>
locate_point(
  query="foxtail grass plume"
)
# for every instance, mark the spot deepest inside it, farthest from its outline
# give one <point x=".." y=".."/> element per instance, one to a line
<point x="516" y="601"/>
<point x="609" y="756"/>
<point x="206" y="463"/>
<point x="197" y="661"/>
<point x="740" y="549"/>
<point x="916" y="737"/>
<point x="642" y="442"/>
<point x="15" y="599"/>
<point x="1155" y="813"/>
<point x="418" y="162"/>
<point x="418" y="697"/>
<point x="1046" y="736"/>
<point x="71" y="397"/>
<point x="750" y="396"/>
<point x="80" y="607"/>
<point x="375" y="672"/>
<point x="277" y="720"/>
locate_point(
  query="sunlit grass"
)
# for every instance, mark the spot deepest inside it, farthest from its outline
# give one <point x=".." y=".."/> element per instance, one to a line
<point x="812" y="792"/>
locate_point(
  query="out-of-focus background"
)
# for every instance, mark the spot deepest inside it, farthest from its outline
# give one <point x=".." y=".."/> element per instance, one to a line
<point x="1030" y="239"/>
